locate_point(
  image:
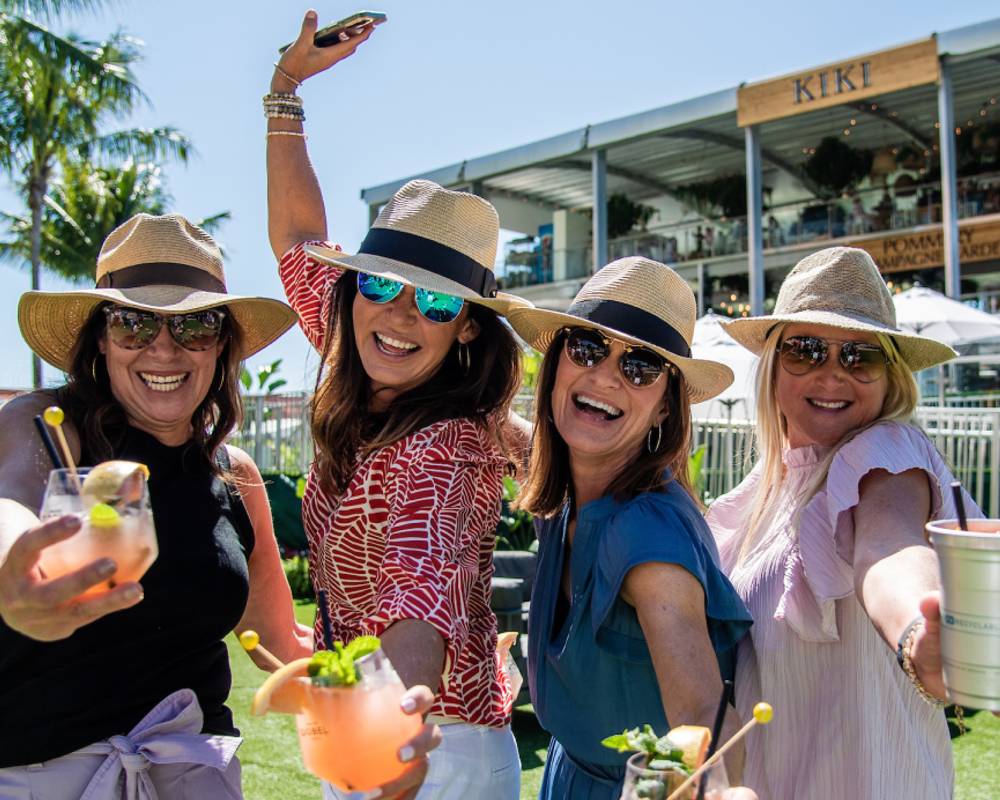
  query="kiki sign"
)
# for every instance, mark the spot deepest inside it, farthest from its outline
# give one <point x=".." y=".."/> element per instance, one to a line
<point x="830" y="85"/>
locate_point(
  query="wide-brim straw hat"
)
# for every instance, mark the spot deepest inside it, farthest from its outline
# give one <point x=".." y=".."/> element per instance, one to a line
<point x="432" y="238"/>
<point x="638" y="301"/>
<point x="843" y="288"/>
<point x="164" y="264"/>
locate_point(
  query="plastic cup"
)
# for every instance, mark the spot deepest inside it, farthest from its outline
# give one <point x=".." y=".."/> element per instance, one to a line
<point x="970" y="609"/>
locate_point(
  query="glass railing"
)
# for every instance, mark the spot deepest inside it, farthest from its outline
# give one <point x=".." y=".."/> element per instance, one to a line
<point x="532" y="261"/>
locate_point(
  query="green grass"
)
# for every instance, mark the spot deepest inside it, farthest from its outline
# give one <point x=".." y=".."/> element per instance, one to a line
<point x="272" y="768"/>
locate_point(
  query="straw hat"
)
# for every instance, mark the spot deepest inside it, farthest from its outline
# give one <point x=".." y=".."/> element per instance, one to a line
<point x="638" y="301"/>
<point x="432" y="238"/>
<point x="840" y="287"/>
<point x="161" y="264"/>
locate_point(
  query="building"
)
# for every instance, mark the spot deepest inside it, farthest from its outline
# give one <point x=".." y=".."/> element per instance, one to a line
<point x="897" y="152"/>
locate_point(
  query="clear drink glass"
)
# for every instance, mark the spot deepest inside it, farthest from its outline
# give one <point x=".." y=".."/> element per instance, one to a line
<point x="644" y="783"/>
<point x="122" y="530"/>
<point x="351" y="735"/>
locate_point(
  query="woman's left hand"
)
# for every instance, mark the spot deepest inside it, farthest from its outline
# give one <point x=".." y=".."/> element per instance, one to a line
<point x="416" y="700"/>
<point x="925" y="654"/>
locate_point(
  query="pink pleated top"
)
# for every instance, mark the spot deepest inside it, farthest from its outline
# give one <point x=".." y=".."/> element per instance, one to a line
<point x="848" y="724"/>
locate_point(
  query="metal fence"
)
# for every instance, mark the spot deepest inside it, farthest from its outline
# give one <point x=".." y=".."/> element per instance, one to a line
<point x="276" y="433"/>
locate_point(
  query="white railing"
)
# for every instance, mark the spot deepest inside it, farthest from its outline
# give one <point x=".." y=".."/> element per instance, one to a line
<point x="276" y="433"/>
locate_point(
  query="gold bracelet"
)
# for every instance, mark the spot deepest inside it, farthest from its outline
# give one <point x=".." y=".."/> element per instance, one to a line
<point x="905" y="646"/>
<point x="287" y="133"/>
<point x="286" y="76"/>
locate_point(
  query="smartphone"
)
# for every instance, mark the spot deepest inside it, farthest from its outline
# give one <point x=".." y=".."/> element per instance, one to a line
<point x="330" y="34"/>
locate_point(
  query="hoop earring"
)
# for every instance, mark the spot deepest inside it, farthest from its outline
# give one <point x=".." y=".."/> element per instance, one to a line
<point x="93" y="368"/>
<point x="222" y="380"/>
<point x="464" y="358"/>
<point x="659" y="438"/>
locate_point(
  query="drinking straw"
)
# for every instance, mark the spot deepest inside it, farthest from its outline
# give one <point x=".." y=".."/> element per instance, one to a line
<point x="251" y="641"/>
<point x="325" y="614"/>
<point x="50" y="446"/>
<point x="956" y="491"/>
<point x="720" y="716"/>
<point x="762" y="713"/>
<point x="54" y="416"/>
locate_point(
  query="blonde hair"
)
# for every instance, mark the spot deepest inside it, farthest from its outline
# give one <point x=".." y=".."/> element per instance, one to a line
<point x="771" y="434"/>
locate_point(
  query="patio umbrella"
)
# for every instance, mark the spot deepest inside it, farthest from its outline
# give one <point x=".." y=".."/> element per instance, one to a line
<point x="712" y="342"/>
<point x="929" y="313"/>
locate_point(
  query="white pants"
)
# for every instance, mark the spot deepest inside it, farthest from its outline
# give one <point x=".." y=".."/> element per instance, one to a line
<point x="472" y="761"/>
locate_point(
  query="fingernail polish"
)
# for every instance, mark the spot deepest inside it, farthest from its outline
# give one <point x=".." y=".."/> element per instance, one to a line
<point x="408" y="704"/>
<point x="406" y="753"/>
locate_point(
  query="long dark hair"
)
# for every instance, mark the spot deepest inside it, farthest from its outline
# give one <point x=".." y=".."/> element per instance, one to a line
<point x="345" y="430"/>
<point x="549" y="482"/>
<point x="100" y="419"/>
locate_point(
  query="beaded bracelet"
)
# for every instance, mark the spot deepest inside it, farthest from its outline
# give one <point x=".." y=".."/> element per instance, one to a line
<point x="282" y="97"/>
<point x="282" y="108"/>
<point x="903" y="656"/>
<point x="287" y="133"/>
<point x="283" y="115"/>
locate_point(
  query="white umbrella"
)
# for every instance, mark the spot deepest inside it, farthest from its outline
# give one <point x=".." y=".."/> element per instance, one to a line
<point x="712" y="342"/>
<point x="929" y="313"/>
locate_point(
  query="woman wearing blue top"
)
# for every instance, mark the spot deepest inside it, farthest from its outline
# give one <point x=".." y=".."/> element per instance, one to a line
<point x="631" y="620"/>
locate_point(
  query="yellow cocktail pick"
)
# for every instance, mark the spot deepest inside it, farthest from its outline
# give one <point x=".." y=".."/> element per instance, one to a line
<point x="54" y="417"/>
<point x="251" y="641"/>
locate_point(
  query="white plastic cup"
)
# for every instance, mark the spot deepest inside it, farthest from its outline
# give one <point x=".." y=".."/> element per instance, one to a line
<point x="970" y="609"/>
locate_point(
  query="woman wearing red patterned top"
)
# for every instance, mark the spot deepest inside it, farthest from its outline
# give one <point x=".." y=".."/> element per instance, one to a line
<point x="418" y="372"/>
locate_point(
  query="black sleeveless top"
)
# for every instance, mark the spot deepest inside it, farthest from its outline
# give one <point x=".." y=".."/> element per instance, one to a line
<point x="56" y="697"/>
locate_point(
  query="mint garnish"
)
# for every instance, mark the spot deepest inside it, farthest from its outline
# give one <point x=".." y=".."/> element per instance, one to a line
<point x="336" y="667"/>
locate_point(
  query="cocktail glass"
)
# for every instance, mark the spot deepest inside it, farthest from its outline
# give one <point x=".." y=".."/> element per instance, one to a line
<point x="351" y="735"/>
<point x="122" y="530"/>
<point x="642" y="782"/>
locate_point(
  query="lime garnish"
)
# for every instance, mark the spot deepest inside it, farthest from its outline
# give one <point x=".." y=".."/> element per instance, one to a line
<point x="104" y="516"/>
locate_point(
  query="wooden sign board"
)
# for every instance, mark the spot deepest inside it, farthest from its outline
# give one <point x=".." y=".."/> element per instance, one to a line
<point x="844" y="82"/>
<point x="978" y="240"/>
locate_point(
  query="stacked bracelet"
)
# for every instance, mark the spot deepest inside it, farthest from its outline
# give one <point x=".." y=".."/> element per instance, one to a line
<point x="903" y="656"/>
<point x="283" y="105"/>
<point x="287" y="133"/>
<point x="286" y="76"/>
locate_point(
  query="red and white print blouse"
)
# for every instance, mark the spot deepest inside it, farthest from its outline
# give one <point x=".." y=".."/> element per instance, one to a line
<point x="412" y="537"/>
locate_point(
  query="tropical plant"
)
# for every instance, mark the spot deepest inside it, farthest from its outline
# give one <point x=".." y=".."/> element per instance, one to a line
<point x="624" y="215"/>
<point x="516" y="530"/>
<point x="57" y="95"/>
<point x="835" y="166"/>
<point x="267" y="380"/>
<point x="726" y="194"/>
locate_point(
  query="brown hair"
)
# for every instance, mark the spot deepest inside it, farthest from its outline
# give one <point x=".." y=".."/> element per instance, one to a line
<point x="549" y="482"/>
<point x="101" y="421"/>
<point x="346" y="431"/>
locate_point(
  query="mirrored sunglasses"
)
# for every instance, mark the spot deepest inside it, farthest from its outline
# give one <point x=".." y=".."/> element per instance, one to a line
<point x="640" y="366"/>
<point x="434" y="306"/>
<point x="134" y="329"/>
<point x="866" y="363"/>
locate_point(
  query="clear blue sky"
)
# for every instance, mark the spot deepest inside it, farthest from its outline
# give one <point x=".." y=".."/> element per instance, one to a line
<point x="443" y="80"/>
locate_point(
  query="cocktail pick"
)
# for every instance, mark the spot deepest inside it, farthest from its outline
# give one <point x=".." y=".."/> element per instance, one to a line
<point x="762" y="713"/>
<point x="50" y="446"/>
<point x="251" y="641"/>
<point x="325" y="615"/>
<point x="956" y="491"/>
<point x="720" y="717"/>
<point x="55" y="417"/>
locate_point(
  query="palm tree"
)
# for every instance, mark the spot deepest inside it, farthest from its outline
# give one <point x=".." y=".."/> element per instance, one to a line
<point x="56" y="96"/>
<point x="83" y="205"/>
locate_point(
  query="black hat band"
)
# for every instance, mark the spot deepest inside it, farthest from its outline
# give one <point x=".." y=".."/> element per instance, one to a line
<point x="634" y="322"/>
<point x="161" y="273"/>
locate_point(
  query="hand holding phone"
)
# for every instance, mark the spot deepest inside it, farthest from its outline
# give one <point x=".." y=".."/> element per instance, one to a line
<point x="331" y="34"/>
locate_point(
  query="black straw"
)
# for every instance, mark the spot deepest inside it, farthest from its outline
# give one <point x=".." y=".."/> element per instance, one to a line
<point x="956" y="491"/>
<point x="720" y="717"/>
<point x="325" y="614"/>
<point x="50" y="446"/>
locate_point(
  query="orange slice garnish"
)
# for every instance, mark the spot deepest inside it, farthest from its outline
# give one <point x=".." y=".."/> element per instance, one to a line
<point x="282" y="691"/>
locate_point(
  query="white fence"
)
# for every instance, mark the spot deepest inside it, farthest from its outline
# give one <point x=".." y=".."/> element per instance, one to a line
<point x="276" y="433"/>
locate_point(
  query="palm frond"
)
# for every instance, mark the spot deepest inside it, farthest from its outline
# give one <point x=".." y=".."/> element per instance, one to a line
<point x="214" y="223"/>
<point x="140" y="144"/>
<point x="49" y="9"/>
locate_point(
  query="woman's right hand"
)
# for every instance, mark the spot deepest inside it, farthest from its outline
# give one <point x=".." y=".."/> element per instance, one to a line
<point x="48" y="610"/>
<point x="303" y="59"/>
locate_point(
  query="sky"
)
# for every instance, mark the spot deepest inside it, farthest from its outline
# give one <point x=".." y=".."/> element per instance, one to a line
<point x="441" y="81"/>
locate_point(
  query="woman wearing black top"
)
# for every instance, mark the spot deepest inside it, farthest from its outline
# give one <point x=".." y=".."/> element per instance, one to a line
<point x="122" y="695"/>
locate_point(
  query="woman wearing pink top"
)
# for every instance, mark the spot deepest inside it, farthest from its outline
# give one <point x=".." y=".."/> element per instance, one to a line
<point x="824" y="542"/>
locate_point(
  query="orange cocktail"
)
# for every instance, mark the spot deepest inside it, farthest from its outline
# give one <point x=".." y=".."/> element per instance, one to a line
<point x="346" y="703"/>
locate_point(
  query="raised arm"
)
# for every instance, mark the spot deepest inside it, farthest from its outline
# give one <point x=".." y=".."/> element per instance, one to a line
<point x="294" y="200"/>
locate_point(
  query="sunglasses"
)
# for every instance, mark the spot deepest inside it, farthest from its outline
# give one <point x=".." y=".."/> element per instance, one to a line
<point x="434" y="306"/>
<point x="133" y="329"/>
<point x="866" y="363"/>
<point x="640" y="366"/>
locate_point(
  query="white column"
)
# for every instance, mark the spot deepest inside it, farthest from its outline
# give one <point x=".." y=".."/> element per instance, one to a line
<point x="755" y="212"/>
<point x="949" y="183"/>
<point x="701" y="288"/>
<point x="569" y="241"/>
<point x="599" y="172"/>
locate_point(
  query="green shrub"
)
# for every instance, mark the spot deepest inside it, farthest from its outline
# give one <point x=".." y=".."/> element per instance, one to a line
<point x="297" y="575"/>
<point x="516" y="529"/>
